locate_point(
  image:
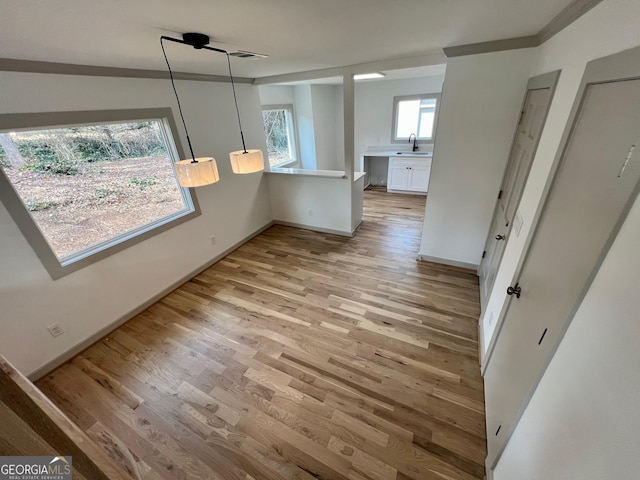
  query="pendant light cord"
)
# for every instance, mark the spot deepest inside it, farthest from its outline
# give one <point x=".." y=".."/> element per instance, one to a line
<point x="235" y="99"/>
<point x="173" y="84"/>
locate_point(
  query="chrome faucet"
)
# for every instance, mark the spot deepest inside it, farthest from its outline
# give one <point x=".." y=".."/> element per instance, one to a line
<point x="415" y="142"/>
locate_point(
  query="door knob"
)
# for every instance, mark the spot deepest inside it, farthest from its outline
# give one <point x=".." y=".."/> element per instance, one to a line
<point x="515" y="290"/>
<point x="500" y="237"/>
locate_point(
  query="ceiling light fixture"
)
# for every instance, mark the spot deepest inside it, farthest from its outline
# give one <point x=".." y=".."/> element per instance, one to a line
<point x="197" y="172"/>
<point x="368" y="76"/>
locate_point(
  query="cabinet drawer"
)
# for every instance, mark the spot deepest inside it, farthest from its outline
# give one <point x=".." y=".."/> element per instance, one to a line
<point x="410" y="161"/>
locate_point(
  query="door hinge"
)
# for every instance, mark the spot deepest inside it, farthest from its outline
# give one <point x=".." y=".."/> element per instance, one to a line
<point x="521" y="117"/>
<point x="484" y="254"/>
<point x="499" y="194"/>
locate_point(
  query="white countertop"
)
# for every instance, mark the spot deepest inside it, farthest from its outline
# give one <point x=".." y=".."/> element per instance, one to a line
<point x="314" y="173"/>
<point x="307" y="173"/>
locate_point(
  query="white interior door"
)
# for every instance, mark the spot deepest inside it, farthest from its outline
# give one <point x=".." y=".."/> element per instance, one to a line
<point x="536" y="106"/>
<point x="596" y="182"/>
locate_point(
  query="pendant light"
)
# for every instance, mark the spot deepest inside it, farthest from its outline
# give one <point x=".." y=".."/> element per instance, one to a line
<point x="196" y="172"/>
<point x="243" y="161"/>
<point x="193" y="172"/>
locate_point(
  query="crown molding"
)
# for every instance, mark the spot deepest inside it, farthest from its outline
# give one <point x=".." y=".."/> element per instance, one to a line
<point x="433" y="58"/>
<point x="566" y="17"/>
<point x="14" y="65"/>
<point x="492" y="46"/>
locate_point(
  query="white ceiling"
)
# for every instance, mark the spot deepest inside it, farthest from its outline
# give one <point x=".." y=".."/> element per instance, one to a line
<point x="298" y="35"/>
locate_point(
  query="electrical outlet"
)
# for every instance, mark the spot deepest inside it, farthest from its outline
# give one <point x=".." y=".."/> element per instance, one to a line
<point x="213" y="239"/>
<point x="55" y="330"/>
<point x="310" y="213"/>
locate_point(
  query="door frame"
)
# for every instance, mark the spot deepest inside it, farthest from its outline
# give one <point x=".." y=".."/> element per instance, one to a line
<point x="539" y="82"/>
<point x="621" y="66"/>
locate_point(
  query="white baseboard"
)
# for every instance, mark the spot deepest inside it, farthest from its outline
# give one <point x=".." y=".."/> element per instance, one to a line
<point x="355" y="229"/>
<point x="103" y="332"/>
<point x="489" y="474"/>
<point x="447" y="261"/>
<point x="406" y="192"/>
<point x="313" y="228"/>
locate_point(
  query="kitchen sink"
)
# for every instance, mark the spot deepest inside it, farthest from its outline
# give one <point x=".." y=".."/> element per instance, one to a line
<point x="415" y="154"/>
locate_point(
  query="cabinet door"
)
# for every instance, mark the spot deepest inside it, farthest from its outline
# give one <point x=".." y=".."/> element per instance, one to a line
<point x="398" y="177"/>
<point x="418" y="178"/>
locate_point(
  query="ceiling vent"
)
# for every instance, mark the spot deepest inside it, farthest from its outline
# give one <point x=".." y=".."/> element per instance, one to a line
<point x="245" y="54"/>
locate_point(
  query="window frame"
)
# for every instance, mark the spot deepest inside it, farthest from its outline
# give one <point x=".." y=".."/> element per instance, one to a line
<point x="293" y="134"/>
<point x="12" y="201"/>
<point x="425" y="96"/>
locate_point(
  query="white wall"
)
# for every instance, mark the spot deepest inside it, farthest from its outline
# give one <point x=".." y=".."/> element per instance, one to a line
<point x="479" y="110"/>
<point x="319" y="122"/>
<point x="276" y="95"/>
<point x="583" y="420"/>
<point x="609" y="28"/>
<point x="313" y="202"/>
<point x="304" y="120"/>
<point x="325" y="110"/>
<point x="89" y="300"/>
<point x="338" y="122"/>
<point x="378" y="170"/>
<point x="357" y="203"/>
<point x="374" y="107"/>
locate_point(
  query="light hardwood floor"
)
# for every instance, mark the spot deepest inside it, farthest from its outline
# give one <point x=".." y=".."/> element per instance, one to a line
<point x="301" y="355"/>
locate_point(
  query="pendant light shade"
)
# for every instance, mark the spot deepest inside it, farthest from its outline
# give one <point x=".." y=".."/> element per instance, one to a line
<point x="197" y="174"/>
<point x="249" y="161"/>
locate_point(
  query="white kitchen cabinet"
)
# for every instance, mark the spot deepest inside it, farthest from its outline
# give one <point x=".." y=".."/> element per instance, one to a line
<point x="419" y="178"/>
<point x="398" y="177"/>
<point x="409" y="174"/>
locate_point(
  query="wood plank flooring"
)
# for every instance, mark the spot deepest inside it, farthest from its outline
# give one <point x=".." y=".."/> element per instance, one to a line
<point x="299" y="356"/>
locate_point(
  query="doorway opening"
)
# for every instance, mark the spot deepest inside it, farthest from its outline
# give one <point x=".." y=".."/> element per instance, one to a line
<point x="394" y="136"/>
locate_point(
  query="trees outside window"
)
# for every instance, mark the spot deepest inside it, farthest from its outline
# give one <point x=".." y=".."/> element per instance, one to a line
<point x="87" y="187"/>
<point x="279" y="131"/>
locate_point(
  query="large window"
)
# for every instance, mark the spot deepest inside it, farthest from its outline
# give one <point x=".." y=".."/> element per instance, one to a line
<point x="416" y="114"/>
<point x="279" y="130"/>
<point x="82" y="185"/>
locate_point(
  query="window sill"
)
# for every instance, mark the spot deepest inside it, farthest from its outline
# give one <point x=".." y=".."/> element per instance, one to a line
<point x="291" y="164"/>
